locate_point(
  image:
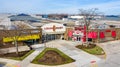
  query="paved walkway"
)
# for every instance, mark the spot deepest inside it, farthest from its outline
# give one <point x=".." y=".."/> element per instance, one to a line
<point x="13" y="49"/>
<point x="28" y="59"/>
<point x="112" y="50"/>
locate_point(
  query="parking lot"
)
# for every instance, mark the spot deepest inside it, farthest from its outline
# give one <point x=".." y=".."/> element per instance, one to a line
<point x="112" y="50"/>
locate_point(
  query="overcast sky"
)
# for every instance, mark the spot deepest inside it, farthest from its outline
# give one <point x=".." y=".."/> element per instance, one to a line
<point x="58" y="6"/>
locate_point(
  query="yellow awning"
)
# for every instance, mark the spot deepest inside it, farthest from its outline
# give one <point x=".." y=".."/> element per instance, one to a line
<point x="21" y="38"/>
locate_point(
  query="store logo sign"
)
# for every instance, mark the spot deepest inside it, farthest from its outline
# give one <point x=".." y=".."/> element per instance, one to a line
<point x="54" y="27"/>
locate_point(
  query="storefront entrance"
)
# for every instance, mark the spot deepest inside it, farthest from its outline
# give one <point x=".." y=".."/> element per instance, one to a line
<point x="50" y="37"/>
<point x="76" y="38"/>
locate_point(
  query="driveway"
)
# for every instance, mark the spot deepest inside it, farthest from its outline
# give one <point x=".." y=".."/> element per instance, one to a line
<point x="112" y="50"/>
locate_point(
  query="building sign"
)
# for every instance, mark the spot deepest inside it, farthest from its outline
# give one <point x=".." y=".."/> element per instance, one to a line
<point x="21" y="38"/>
<point x="53" y="27"/>
<point x="79" y="33"/>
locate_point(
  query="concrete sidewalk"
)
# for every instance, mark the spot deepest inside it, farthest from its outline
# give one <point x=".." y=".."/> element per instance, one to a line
<point x="28" y="59"/>
<point x="13" y="49"/>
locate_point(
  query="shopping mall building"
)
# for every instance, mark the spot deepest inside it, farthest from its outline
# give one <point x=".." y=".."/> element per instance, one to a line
<point x="53" y="31"/>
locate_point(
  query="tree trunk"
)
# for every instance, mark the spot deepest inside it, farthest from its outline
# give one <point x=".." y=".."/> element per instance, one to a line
<point x="16" y="45"/>
<point x="86" y="23"/>
<point x="86" y="35"/>
<point x="87" y="30"/>
<point x="98" y="36"/>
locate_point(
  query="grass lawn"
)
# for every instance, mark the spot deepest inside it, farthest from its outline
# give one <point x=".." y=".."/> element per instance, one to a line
<point x="23" y="57"/>
<point x="42" y="54"/>
<point x="95" y="50"/>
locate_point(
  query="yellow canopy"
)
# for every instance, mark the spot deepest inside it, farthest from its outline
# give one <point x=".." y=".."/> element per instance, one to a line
<point x="21" y="38"/>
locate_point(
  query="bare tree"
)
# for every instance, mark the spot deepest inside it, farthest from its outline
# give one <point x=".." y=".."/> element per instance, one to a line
<point x="88" y="16"/>
<point x="15" y="33"/>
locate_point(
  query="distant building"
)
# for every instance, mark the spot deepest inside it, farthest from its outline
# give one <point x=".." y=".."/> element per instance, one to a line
<point x="82" y="17"/>
<point x="45" y="16"/>
<point x="103" y="26"/>
<point x="78" y="23"/>
<point x="23" y="17"/>
<point x="99" y="26"/>
<point x="57" y="16"/>
<point x="76" y="17"/>
<point x="5" y="23"/>
<point x="38" y="16"/>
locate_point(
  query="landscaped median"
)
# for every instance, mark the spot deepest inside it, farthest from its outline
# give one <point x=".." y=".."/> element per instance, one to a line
<point x="22" y="55"/>
<point x="52" y="56"/>
<point x="92" y="49"/>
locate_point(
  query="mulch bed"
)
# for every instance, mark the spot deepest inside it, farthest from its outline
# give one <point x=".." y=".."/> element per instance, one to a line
<point x="52" y="57"/>
<point x="92" y="49"/>
<point x="86" y="46"/>
<point x="14" y="54"/>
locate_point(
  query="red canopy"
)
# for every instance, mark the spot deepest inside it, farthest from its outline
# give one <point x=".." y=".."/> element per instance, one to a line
<point x="70" y="33"/>
<point x="113" y="33"/>
<point x="102" y="35"/>
<point x="92" y="35"/>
